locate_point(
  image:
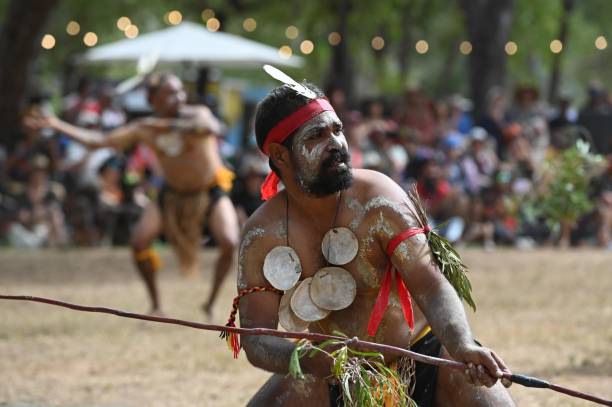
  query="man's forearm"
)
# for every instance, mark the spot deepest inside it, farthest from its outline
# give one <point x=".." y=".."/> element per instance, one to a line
<point x="194" y="127"/>
<point x="89" y="138"/>
<point x="446" y="315"/>
<point x="274" y="354"/>
<point x="268" y="352"/>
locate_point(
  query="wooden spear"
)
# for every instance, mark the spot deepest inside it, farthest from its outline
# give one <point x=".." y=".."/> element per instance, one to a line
<point x="523" y="380"/>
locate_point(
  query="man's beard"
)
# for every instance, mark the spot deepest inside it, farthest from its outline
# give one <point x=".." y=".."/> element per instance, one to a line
<point x="330" y="179"/>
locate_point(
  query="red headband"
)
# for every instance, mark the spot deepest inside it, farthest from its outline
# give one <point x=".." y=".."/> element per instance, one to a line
<point x="284" y="129"/>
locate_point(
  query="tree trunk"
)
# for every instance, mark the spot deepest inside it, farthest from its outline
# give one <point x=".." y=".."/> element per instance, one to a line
<point x="405" y="42"/>
<point x="443" y="85"/>
<point x="488" y="23"/>
<point x="341" y="69"/>
<point x="19" y="46"/>
<point x="555" y="76"/>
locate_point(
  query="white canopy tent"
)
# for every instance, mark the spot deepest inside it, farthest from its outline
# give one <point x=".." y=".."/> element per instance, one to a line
<point x="191" y="42"/>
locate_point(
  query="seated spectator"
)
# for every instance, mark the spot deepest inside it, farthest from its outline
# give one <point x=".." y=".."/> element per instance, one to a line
<point x="416" y="113"/>
<point x="110" y="115"/>
<point x="596" y="117"/>
<point x="39" y="221"/>
<point x="441" y="201"/>
<point x="479" y="161"/>
<point x="246" y="194"/>
<point x="604" y="206"/>
<point x="20" y="156"/>
<point x="117" y="208"/>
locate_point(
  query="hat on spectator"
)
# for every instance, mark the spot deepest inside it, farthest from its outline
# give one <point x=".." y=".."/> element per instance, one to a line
<point x="478" y="133"/>
<point x="460" y="102"/>
<point x="453" y="141"/>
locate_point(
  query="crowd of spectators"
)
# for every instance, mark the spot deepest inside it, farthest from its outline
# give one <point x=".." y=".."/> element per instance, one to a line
<point x="474" y="174"/>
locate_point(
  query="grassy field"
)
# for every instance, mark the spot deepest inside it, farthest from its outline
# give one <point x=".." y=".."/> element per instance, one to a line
<point x="548" y="313"/>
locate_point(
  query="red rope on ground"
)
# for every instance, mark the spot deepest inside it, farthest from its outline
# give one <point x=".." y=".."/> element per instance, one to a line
<point x="379" y="347"/>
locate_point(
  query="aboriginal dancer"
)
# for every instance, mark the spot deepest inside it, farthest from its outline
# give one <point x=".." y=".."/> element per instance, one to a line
<point x="348" y="250"/>
<point x="183" y="138"/>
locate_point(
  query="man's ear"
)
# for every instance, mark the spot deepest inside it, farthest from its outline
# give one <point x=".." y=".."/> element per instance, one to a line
<point x="279" y="155"/>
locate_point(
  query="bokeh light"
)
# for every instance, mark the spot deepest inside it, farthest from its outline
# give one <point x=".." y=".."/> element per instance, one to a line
<point x="465" y="47"/>
<point x="285" y="52"/>
<point x="48" y="41"/>
<point x="213" y="24"/>
<point x="421" y="47"/>
<point x="378" y="43"/>
<point x="306" y="47"/>
<point x="556" y="46"/>
<point x="90" y="39"/>
<point x="601" y="43"/>
<point x="249" y="24"/>
<point x="175" y="17"/>
<point x="292" y="32"/>
<point x="511" y="48"/>
<point x="73" y="28"/>
<point x="123" y="23"/>
<point x="131" y="32"/>
<point x="334" y="38"/>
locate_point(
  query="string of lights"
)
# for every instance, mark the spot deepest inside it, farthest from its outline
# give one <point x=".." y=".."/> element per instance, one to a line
<point x="306" y="46"/>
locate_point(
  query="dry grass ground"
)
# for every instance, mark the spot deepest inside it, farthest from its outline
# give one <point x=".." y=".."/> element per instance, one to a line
<point x="548" y="313"/>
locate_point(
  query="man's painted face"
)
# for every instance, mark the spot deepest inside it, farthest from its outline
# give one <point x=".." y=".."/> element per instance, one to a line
<point x="169" y="97"/>
<point x="320" y="155"/>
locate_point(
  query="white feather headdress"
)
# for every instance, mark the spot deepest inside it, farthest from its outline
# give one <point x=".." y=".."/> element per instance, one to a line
<point x="289" y="81"/>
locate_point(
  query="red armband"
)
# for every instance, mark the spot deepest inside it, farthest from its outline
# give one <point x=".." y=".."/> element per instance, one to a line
<point x="385" y="288"/>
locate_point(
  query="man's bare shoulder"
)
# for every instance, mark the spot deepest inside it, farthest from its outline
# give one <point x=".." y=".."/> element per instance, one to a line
<point x="269" y="212"/>
<point x="369" y="184"/>
<point x="265" y="228"/>
<point x="378" y="192"/>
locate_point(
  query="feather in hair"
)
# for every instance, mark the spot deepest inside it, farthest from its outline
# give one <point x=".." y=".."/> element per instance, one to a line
<point x="289" y="81"/>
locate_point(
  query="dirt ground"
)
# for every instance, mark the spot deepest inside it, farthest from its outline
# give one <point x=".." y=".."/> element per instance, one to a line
<point x="548" y="313"/>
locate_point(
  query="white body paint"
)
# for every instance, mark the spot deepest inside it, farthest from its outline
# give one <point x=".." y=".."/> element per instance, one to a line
<point x="310" y="156"/>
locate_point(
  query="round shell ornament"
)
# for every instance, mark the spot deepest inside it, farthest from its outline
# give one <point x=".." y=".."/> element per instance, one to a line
<point x="282" y="267"/>
<point x="286" y="316"/>
<point x="333" y="288"/>
<point x="339" y="246"/>
<point x="302" y="304"/>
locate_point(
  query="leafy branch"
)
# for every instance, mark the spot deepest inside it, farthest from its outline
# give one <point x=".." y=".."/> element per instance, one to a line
<point x="364" y="378"/>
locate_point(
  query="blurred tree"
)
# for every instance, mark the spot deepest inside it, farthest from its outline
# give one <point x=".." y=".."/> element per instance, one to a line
<point x="488" y="24"/>
<point x="341" y="68"/>
<point x="553" y="89"/>
<point x="18" y="49"/>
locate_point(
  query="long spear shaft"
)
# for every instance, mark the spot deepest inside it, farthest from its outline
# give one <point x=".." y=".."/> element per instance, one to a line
<point x="523" y="380"/>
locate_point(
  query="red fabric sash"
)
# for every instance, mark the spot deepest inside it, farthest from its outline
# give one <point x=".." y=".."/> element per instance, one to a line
<point x="385" y="289"/>
<point x="282" y="130"/>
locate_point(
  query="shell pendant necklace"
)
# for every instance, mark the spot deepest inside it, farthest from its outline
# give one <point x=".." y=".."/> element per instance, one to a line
<point x="330" y="289"/>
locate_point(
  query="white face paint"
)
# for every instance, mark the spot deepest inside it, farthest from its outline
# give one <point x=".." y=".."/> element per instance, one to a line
<point x="320" y="134"/>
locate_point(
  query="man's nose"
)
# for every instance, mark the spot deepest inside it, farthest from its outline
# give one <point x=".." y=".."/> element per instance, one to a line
<point x="336" y="141"/>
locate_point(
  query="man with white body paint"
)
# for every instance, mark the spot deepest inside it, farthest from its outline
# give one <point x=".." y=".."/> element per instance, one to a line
<point x="183" y="139"/>
<point x="307" y="150"/>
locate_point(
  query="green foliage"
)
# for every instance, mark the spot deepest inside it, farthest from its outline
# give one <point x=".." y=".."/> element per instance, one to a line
<point x="568" y="174"/>
<point x="452" y="266"/>
<point x="364" y="378"/>
<point x="446" y="257"/>
<point x="400" y="22"/>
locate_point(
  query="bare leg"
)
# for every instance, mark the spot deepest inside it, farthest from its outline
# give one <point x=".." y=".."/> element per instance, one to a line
<point x="224" y="228"/>
<point x="285" y="391"/>
<point x="604" y="211"/>
<point x="453" y="389"/>
<point x="146" y="230"/>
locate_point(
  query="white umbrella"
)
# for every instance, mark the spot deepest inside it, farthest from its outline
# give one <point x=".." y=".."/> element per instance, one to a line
<point x="190" y="42"/>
